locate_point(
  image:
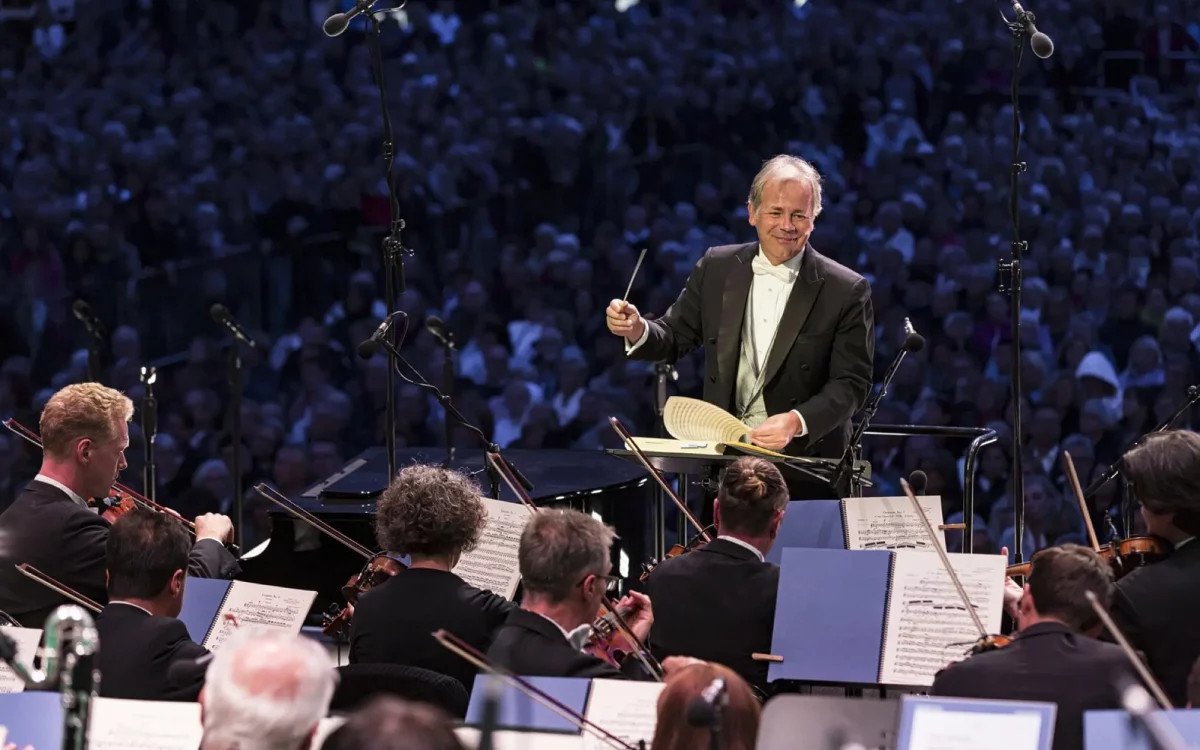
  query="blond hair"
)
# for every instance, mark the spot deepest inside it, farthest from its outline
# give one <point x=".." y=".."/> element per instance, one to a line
<point x="786" y="167"/>
<point x="83" y="410"/>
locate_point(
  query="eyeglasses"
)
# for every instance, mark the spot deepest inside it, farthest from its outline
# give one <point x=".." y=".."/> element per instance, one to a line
<point x="612" y="584"/>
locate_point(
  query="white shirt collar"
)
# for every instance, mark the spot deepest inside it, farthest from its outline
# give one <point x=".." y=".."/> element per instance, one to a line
<point x="70" y="492"/>
<point x="792" y="265"/>
<point x="577" y="637"/>
<point x="740" y="543"/>
<point x="131" y="604"/>
<point x="1185" y="541"/>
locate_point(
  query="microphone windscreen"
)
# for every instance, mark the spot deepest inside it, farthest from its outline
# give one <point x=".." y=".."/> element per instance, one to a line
<point x="700" y="713"/>
<point x="918" y="480"/>
<point x="367" y="349"/>
<point x="81" y="310"/>
<point x="914" y="343"/>
<point x="335" y="24"/>
<point x="1042" y="45"/>
<point x="219" y="312"/>
<point x="435" y="324"/>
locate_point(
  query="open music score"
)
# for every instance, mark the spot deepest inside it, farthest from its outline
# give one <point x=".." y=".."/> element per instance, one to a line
<point x="493" y="565"/>
<point x="627" y="709"/>
<point x="27" y="640"/>
<point x="144" y="725"/>
<point x="258" y="607"/>
<point x="928" y="626"/>
<point x="889" y="522"/>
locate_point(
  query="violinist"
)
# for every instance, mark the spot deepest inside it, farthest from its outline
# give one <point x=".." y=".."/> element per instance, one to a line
<point x="1158" y="606"/>
<point x="565" y="568"/>
<point x="147" y="653"/>
<point x="718" y="603"/>
<point x="85" y="432"/>
<point x="1055" y="657"/>
<point x="433" y="515"/>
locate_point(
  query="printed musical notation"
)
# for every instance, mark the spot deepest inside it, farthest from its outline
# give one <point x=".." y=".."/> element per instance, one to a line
<point x="928" y="624"/>
<point x="493" y="565"/>
<point x="627" y="709"/>
<point x="258" y="607"/>
<point x="936" y="729"/>
<point x="890" y="522"/>
<point x="27" y="640"/>
<point x="150" y="725"/>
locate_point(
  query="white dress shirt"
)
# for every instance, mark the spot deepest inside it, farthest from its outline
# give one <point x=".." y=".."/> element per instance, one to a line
<point x="70" y="492"/>
<point x="757" y="553"/>
<point x="769" y="292"/>
<point x="131" y="604"/>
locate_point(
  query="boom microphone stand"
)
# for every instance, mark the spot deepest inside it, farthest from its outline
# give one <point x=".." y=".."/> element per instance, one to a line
<point x="393" y="249"/>
<point x="1010" y="271"/>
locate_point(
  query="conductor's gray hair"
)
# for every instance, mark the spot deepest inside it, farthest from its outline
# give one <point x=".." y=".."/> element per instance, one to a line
<point x="786" y="167"/>
<point x="266" y="692"/>
<point x="559" y="548"/>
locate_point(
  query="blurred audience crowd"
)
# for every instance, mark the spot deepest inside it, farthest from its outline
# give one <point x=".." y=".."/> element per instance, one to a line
<point x="157" y="157"/>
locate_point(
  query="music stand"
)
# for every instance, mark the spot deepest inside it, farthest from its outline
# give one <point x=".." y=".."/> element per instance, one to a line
<point x="792" y="721"/>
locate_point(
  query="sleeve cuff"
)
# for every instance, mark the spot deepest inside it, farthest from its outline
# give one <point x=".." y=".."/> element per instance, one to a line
<point x="630" y="348"/>
<point x="803" y="425"/>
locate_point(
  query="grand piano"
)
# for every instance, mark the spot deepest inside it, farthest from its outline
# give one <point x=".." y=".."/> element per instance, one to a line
<point x="296" y="556"/>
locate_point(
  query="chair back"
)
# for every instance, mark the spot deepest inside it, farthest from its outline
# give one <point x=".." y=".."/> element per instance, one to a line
<point x="358" y="682"/>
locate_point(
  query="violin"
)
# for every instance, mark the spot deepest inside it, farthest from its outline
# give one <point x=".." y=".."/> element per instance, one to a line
<point x="676" y="550"/>
<point x="115" y="505"/>
<point x="1124" y="555"/>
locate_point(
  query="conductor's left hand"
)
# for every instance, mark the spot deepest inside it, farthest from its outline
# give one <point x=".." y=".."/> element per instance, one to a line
<point x="775" y="433"/>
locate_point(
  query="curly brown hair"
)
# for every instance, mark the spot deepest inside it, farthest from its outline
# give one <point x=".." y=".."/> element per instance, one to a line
<point x="430" y="511"/>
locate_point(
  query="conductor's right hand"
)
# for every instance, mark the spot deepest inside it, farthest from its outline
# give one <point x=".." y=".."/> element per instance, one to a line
<point x="623" y="320"/>
<point x="214" y="526"/>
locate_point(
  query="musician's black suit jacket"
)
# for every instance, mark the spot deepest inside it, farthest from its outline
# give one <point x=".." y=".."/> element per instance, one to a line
<point x="1157" y="607"/>
<point x="528" y="644"/>
<point x="1049" y="663"/>
<point x="716" y="604"/>
<point x="146" y="657"/>
<point x="821" y="362"/>
<point x="48" y="530"/>
<point x="394" y="622"/>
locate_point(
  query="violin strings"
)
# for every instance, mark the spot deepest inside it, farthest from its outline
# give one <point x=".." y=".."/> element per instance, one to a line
<point x="304" y="515"/>
<point x="479" y="661"/>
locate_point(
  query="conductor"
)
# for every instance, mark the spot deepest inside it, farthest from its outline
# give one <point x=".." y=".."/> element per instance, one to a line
<point x="789" y="335"/>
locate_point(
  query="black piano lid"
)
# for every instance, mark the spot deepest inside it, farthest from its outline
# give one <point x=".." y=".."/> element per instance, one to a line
<point x="556" y="475"/>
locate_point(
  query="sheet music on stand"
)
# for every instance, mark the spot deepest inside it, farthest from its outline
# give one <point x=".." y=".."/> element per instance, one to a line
<point x="970" y="724"/>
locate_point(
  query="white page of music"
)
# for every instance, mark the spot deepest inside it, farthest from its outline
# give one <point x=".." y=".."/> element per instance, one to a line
<point x="258" y="607"/>
<point x="936" y="729"/>
<point x="927" y="625"/>
<point x="625" y="708"/>
<point x="119" y="724"/>
<point x="891" y="522"/>
<point x="493" y="565"/>
<point x="27" y="640"/>
<point x="510" y="740"/>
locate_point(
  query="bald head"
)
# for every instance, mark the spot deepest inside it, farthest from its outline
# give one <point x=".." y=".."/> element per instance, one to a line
<point x="266" y="692"/>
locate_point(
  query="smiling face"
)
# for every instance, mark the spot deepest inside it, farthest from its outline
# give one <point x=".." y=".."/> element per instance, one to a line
<point x="784" y="218"/>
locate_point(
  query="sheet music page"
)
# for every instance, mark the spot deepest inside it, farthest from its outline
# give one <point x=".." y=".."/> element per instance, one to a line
<point x="27" y="640"/>
<point x="119" y="724"/>
<point x="935" y="729"/>
<point x="691" y="419"/>
<point x="510" y="740"/>
<point x="927" y="624"/>
<point x="627" y="709"/>
<point x="259" y="607"/>
<point x="493" y="565"/>
<point x="891" y="522"/>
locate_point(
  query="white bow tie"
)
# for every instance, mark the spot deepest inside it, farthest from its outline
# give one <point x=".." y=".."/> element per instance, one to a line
<point x="762" y="267"/>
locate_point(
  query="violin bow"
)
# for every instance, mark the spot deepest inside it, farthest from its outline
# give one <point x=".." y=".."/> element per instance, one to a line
<point x="645" y="461"/>
<point x="33" y="438"/>
<point x="501" y="466"/>
<point x="277" y="497"/>
<point x="480" y="661"/>
<point x="1155" y="689"/>
<point x="34" y="574"/>
<point x="1069" y="467"/>
<point x="962" y="592"/>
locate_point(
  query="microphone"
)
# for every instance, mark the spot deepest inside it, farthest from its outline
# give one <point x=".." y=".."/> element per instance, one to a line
<point x="1141" y="706"/>
<point x="1042" y="45"/>
<point x="437" y="327"/>
<point x="702" y="711"/>
<point x="918" y="480"/>
<point x="337" y="24"/>
<point x="83" y="312"/>
<point x="221" y="314"/>
<point x="913" y="341"/>
<point x="368" y="348"/>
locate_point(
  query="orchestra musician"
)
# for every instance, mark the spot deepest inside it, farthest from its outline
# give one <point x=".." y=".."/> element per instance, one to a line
<point x="1055" y="657"/>
<point x="789" y="334"/>
<point x="685" y="686"/>
<point x="565" y="570"/>
<point x="1157" y="606"/>
<point x="433" y="515"/>
<point x="718" y="603"/>
<point x="50" y="526"/>
<point x="147" y="653"/>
